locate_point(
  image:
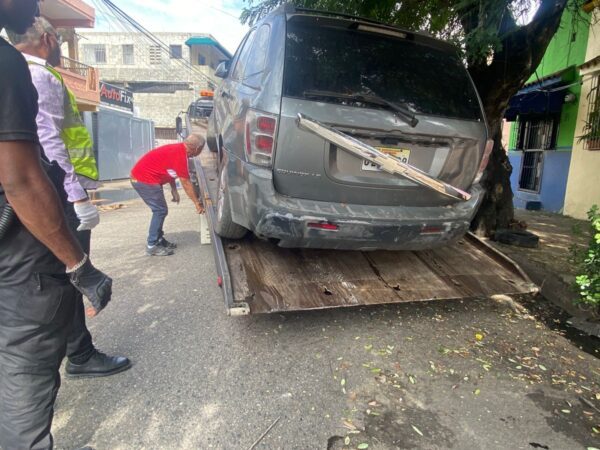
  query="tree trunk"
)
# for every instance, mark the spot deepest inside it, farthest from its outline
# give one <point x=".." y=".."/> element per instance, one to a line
<point x="497" y="81"/>
<point x="497" y="207"/>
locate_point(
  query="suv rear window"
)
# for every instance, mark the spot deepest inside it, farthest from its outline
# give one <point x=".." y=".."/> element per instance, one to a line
<point x="427" y="80"/>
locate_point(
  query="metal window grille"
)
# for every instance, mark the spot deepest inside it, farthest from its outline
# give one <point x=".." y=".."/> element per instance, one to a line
<point x="128" y="57"/>
<point x="531" y="171"/>
<point x="165" y="133"/>
<point x="176" y="51"/>
<point x="536" y="133"/>
<point x="201" y="60"/>
<point x="591" y="129"/>
<point x="94" y="53"/>
<point x="155" y="54"/>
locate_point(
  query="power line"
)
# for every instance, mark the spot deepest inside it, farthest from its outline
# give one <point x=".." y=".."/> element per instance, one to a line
<point x="124" y="19"/>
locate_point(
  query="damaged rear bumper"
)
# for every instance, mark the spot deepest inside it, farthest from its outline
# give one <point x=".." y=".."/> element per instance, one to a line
<point x="300" y="223"/>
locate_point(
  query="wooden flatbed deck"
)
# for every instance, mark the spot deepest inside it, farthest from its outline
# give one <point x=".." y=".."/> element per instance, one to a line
<point x="259" y="277"/>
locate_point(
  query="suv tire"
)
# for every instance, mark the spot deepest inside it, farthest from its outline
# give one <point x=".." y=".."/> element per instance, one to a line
<point x="225" y="226"/>
<point x="211" y="139"/>
<point x="519" y="238"/>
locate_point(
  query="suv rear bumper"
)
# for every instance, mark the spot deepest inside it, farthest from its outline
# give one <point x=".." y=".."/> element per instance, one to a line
<point x="360" y="227"/>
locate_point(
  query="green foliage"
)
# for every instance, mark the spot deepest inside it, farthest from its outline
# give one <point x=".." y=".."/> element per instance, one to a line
<point x="588" y="278"/>
<point x="475" y="26"/>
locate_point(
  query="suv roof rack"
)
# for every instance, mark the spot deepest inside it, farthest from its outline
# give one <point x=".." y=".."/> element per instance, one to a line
<point x="341" y="15"/>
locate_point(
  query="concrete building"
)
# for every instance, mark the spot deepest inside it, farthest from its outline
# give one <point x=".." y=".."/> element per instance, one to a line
<point x="82" y="79"/>
<point x="583" y="186"/>
<point x="554" y="169"/>
<point x="164" y="74"/>
<point x="544" y="115"/>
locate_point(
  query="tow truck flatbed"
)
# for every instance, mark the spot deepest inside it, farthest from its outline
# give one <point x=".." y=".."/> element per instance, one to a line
<point x="257" y="276"/>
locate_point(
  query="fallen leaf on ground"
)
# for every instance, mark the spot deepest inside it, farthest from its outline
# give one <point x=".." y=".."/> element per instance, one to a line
<point x="349" y="425"/>
<point x="362" y="446"/>
<point x="347" y="441"/>
<point x="419" y="432"/>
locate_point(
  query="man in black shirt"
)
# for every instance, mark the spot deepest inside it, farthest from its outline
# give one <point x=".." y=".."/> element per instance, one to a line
<point x="41" y="262"/>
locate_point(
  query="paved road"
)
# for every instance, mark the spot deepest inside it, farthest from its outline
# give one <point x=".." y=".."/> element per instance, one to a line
<point x="464" y="375"/>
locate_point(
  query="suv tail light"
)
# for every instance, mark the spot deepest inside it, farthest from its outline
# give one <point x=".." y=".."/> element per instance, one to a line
<point x="489" y="146"/>
<point x="260" y="137"/>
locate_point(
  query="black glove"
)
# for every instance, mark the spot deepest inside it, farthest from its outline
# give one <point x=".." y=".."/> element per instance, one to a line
<point x="93" y="284"/>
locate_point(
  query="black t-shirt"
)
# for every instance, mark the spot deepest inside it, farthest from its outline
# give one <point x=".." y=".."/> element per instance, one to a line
<point x="18" y="97"/>
<point x="21" y="254"/>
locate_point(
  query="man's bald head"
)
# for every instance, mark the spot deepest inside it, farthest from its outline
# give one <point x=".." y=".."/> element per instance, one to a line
<point x="194" y="144"/>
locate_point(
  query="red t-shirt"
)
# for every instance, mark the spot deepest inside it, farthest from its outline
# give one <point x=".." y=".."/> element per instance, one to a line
<point x="152" y="167"/>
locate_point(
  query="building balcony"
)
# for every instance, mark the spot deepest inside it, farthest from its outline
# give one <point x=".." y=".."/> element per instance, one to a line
<point x="68" y="13"/>
<point x="83" y="81"/>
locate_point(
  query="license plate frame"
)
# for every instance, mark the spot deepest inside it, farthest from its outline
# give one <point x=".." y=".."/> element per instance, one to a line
<point x="401" y="154"/>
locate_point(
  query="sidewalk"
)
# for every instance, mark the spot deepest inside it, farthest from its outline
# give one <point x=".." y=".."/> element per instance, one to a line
<point x="550" y="265"/>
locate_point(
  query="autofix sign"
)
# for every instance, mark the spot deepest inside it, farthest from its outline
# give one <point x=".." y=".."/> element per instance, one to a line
<point x="116" y="96"/>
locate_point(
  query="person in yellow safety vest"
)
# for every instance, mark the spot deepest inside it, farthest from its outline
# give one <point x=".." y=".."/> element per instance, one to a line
<point x="65" y="139"/>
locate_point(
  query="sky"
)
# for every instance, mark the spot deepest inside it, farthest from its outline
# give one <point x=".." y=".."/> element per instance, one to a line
<point x="217" y="17"/>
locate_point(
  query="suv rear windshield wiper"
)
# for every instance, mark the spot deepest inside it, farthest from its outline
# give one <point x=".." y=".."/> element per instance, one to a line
<point x="403" y="112"/>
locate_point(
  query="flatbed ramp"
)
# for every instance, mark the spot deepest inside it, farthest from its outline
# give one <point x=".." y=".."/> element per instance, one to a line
<point x="257" y="276"/>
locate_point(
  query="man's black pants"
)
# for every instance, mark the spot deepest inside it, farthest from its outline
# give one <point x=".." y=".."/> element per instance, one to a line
<point x="79" y="342"/>
<point x="37" y="304"/>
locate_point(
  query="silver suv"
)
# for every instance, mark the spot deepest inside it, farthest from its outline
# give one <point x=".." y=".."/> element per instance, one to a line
<point x="300" y="77"/>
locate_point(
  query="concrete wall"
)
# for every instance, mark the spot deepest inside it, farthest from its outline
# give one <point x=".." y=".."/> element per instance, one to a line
<point x="555" y="171"/>
<point x="170" y="69"/>
<point x="163" y="108"/>
<point x="583" y="187"/>
<point x="185" y="82"/>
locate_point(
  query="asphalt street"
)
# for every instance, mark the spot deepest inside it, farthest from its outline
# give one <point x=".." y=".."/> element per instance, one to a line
<point x="472" y="374"/>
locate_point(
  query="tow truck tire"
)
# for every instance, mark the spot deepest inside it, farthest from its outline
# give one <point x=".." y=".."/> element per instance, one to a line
<point x="225" y="226"/>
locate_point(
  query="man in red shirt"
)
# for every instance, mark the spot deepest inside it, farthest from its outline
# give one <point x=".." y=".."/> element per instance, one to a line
<point x="151" y="172"/>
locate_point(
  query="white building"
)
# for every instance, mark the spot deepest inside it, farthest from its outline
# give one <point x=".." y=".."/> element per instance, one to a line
<point x="165" y="74"/>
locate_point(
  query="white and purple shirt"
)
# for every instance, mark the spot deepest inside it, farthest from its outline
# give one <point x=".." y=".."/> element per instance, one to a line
<point x="51" y="103"/>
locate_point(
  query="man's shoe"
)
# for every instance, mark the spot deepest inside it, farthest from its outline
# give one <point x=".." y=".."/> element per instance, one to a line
<point x="166" y="244"/>
<point x="99" y="365"/>
<point x="158" y="250"/>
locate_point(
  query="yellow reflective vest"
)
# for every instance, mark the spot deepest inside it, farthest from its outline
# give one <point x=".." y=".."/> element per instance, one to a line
<point x="75" y="135"/>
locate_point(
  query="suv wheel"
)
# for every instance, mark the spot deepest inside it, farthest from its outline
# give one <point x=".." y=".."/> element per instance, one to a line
<point x="225" y="226"/>
<point x="211" y="140"/>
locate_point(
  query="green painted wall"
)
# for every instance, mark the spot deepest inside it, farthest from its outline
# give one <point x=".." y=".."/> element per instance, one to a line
<point x="567" y="48"/>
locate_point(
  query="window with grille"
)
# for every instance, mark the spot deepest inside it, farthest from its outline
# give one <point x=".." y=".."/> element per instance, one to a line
<point x="591" y="127"/>
<point x="94" y="53"/>
<point x="536" y="132"/>
<point x="155" y="54"/>
<point x="531" y="171"/>
<point x="201" y="60"/>
<point x="176" y="51"/>
<point x="128" y="57"/>
<point x="165" y="133"/>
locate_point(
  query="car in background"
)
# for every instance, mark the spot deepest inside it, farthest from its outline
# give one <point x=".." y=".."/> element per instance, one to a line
<point x="202" y="107"/>
<point x="405" y="94"/>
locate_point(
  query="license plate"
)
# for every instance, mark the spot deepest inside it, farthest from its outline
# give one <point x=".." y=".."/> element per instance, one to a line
<point x="401" y="154"/>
